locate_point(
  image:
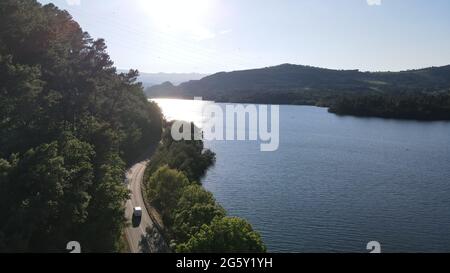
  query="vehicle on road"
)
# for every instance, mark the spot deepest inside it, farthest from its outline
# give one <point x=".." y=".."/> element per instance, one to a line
<point x="136" y="218"/>
<point x="137" y="212"/>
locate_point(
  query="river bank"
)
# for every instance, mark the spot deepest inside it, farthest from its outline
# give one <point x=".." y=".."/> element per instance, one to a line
<point x="193" y="220"/>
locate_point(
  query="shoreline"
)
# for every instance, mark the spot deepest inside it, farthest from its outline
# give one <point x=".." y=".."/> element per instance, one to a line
<point x="425" y="120"/>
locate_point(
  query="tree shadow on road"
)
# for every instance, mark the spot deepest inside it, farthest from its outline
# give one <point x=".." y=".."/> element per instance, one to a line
<point x="144" y="244"/>
<point x="152" y="242"/>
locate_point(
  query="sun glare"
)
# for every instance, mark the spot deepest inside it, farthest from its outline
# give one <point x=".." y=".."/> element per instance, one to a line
<point x="185" y="110"/>
<point x="178" y="15"/>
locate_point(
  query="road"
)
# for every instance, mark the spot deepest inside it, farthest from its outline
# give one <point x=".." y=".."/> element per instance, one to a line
<point x="138" y="239"/>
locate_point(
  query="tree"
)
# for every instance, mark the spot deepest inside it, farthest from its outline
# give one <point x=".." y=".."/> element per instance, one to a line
<point x="164" y="190"/>
<point x="224" y="235"/>
<point x="421" y="106"/>
<point x="103" y="228"/>
<point x="188" y="156"/>
<point x="47" y="195"/>
<point x="195" y="208"/>
<point x="69" y="126"/>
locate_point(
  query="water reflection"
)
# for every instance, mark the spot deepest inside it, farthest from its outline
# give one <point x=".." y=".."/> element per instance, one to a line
<point x="186" y="110"/>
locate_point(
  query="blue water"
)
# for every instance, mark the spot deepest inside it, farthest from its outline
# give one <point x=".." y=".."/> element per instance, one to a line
<point x="336" y="183"/>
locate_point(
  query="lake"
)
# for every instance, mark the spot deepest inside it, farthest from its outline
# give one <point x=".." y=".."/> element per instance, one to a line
<point x="336" y="183"/>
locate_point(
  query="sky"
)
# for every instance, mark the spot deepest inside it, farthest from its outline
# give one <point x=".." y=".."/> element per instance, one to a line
<point x="207" y="36"/>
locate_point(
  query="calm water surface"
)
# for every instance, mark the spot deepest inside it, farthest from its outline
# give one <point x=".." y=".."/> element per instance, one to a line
<point x="336" y="183"/>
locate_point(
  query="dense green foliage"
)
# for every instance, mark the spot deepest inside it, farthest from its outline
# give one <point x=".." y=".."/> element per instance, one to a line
<point x="69" y="125"/>
<point x="304" y="85"/>
<point x="195" y="207"/>
<point x="192" y="218"/>
<point x="227" y="234"/>
<point x="190" y="157"/>
<point x="419" y="106"/>
<point x="164" y="189"/>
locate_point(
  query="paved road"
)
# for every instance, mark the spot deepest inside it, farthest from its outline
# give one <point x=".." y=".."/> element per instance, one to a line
<point x="137" y="237"/>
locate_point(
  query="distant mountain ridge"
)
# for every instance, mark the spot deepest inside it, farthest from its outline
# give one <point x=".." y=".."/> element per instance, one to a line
<point x="299" y="84"/>
<point x="151" y="79"/>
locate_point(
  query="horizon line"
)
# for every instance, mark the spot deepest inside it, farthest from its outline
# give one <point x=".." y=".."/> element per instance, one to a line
<point x="270" y="66"/>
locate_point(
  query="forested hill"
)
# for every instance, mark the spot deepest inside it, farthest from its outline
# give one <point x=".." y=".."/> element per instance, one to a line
<point x="69" y="125"/>
<point x="290" y="78"/>
<point x="416" y="94"/>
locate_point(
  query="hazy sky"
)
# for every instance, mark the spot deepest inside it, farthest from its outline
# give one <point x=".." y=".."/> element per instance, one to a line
<point x="221" y="35"/>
